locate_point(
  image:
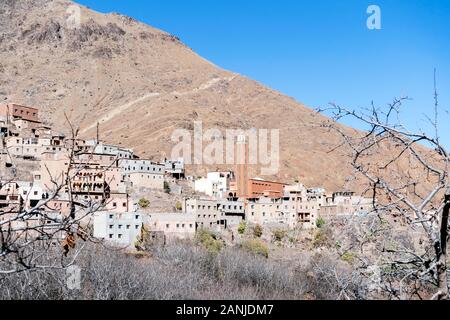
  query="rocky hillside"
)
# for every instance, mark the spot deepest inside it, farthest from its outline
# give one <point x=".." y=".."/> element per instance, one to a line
<point x="141" y="83"/>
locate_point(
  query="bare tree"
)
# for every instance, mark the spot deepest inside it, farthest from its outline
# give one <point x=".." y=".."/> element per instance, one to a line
<point x="29" y="235"/>
<point x="407" y="175"/>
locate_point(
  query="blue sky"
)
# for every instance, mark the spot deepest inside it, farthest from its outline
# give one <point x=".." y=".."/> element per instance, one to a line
<point x="317" y="51"/>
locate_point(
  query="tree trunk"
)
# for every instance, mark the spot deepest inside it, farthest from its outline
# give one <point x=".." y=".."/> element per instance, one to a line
<point x="443" y="293"/>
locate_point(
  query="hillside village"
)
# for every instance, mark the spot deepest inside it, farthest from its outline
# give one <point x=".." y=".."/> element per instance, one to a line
<point x="43" y="170"/>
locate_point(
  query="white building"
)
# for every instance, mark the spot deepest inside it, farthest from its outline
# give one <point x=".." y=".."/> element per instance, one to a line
<point x="142" y="173"/>
<point x="32" y="193"/>
<point x="100" y="147"/>
<point x="122" y="229"/>
<point x="175" y="168"/>
<point x="215" y="185"/>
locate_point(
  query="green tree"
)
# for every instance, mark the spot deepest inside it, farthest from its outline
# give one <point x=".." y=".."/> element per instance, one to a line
<point x="256" y="247"/>
<point x="320" y="223"/>
<point x="143" y="203"/>
<point x="257" y="231"/>
<point x="279" y="235"/>
<point x="210" y="241"/>
<point x="242" y="227"/>
<point x="166" y="187"/>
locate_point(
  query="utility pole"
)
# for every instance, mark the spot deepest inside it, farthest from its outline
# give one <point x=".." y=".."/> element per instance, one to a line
<point x="98" y="132"/>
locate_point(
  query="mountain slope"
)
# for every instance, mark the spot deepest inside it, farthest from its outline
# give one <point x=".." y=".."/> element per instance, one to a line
<point x="141" y="83"/>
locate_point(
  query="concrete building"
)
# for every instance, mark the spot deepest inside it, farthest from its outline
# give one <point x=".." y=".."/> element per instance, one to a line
<point x="206" y="212"/>
<point x="99" y="147"/>
<point x="263" y="188"/>
<point x="122" y="229"/>
<point x="271" y="211"/>
<point x="119" y="203"/>
<point x="346" y="203"/>
<point x="175" y="226"/>
<point x="13" y="111"/>
<point x="10" y="199"/>
<point x="27" y="148"/>
<point x="297" y="206"/>
<point x="216" y="184"/>
<point x="32" y="193"/>
<point x="215" y="214"/>
<point x="175" y="168"/>
<point x="233" y="211"/>
<point x="139" y="173"/>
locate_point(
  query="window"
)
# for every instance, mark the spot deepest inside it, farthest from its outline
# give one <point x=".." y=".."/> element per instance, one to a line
<point x="120" y="226"/>
<point x="111" y="226"/>
<point x="111" y="216"/>
<point x="114" y="204"/>
<point x="167" y="226"/>
<point x="136" y="227"/>
<point x="110" y="236"/>
<point x="119" y="236"/>
<point x="128" y="227"/>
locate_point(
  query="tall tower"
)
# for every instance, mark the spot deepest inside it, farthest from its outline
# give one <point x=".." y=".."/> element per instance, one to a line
<point x="242" y="159"/>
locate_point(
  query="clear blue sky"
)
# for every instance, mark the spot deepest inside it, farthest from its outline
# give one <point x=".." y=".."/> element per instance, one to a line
<point x="317" y="51"/>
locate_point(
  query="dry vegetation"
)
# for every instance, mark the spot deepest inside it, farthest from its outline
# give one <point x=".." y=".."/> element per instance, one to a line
<point x="184" y="271"/>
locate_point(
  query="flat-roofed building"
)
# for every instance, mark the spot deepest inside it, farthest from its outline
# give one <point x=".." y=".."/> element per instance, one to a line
<point x="122" y="229"/>
<point x="264" y="188"/>
<point x="346" y="204"/>
<point x="270" y="211"/>
<point x="216" y="184"/>
<point x="13" y="111"/>
<point x="175" y="168"/>
<point x="10" y="199"/>
<point x="139" y="173"/>
<point x="100" y="147"/>
<point x="32" y="192"/>
<point x="206" y="212"/>
<point x="175" y="226"/>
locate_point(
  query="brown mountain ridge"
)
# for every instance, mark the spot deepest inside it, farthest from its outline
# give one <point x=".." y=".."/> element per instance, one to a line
<point x="141" y="83"/>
